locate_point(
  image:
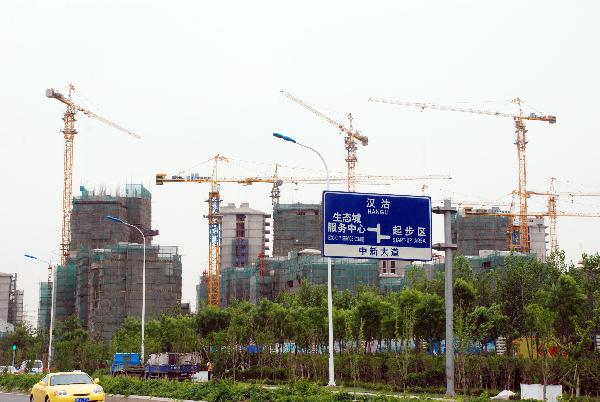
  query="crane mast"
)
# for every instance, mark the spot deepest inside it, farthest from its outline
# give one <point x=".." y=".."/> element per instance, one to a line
<point x="552" y="216"/>
<point x="69" y="135"/>
<point x="214" y="236"/>
<point x="552" y="213"/>
<point x="521" y="143"/>
<point x="67" y="207"/>
<point x="352" y="136"/>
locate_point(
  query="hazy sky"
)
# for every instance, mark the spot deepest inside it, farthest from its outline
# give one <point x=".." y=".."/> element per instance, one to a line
<point x="200" y="78"/>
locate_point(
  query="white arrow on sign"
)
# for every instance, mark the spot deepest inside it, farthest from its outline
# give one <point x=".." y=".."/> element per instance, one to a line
<point x="377" y="230"/>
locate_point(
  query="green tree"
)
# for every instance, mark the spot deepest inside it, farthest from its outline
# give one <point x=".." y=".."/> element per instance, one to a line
<point x="568" y="301"/>
<point x="430" y="318"/>
<point x="540" y="321"/>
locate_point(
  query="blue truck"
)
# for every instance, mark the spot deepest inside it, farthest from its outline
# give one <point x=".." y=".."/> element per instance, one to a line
<point x="127" y="364"/>
<point x="178" y="366"/>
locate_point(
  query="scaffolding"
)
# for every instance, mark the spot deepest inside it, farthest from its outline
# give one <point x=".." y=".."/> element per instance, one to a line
<point x="90" y="229"/>
<point x="45" y="307"/>
<point x="296" y="227"/>
<point x="66" y="281"/>
<point x="111" y="285"/>
<point x="472" y="233"/>
<point x="287" y="274"/>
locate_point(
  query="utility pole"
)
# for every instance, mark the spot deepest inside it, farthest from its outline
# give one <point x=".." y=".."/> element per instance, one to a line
<point x="448" y="248"/>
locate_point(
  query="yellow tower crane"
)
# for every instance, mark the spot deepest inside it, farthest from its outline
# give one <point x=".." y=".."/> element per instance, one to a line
<point x="552" y="213"/>
<point x="349" y="141"/>
<point x="214" y="201"/>
<point x="521" y="142"/>
<point x="69" y="134"/>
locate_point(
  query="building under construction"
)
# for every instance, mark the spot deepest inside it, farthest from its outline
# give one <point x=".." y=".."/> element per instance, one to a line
<point x="102" y="282"/>
<point x="243" y="235"/>
<point x="296" y="227"/>
<point x="11" y="300"/>
<point x="473" y="233"/>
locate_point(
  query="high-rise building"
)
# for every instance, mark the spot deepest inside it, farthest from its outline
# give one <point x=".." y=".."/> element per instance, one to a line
<point x="244" y="234"/>
<point x="45" y="305"/>
<point x="102" y="282"/>
<point x="473" y="233"/>
<point x="537" y="237"/>
<point x="296" y="227"/>
<point x="11" y="300"/>
<point x="89" y="227"/>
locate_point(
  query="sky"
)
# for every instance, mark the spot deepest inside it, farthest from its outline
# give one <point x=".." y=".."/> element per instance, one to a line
<point x="196" y="79"/>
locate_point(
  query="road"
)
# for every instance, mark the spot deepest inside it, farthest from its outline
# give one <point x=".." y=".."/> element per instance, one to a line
<point x="4" y="397"/>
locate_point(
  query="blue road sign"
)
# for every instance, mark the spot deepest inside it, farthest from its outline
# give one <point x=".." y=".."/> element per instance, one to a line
<point x="379" y="226"/>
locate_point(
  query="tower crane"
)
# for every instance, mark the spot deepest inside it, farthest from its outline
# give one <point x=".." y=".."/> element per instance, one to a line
<point x="214" y="201"/>
<point x="352" y="135"/>
<point x="69" y="134"/>
<point x="214" y="217"/>
<point x="552" y="195"/>
<point x="521" y="142"/>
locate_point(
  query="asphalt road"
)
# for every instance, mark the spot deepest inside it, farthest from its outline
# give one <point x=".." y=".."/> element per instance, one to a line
<point x="25" y="398"/>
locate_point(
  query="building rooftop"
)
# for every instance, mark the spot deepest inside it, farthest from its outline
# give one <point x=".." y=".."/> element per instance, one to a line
<point x="244" y="208"/>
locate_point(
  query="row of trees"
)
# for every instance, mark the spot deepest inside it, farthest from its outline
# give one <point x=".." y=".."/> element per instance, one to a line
<point x="526" y="298"/>
<point x="548" y="303"/>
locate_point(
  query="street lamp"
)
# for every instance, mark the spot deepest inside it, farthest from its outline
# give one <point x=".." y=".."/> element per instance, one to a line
<point x="122" y="222"/>
<point x="331" y="382"/>
<point x="52" y="303"/>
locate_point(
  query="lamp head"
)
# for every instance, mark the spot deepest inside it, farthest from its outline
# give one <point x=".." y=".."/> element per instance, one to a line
<point x="115" y="219"/>
<point x="284" y="137"/>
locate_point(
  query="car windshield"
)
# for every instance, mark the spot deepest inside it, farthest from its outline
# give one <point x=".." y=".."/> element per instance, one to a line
<point x="67" y="379"/>
<point x="37" y="364"/>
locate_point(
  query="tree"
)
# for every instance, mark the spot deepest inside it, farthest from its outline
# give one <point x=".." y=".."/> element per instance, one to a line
<point x="567" y="300"/>
<point x="368" y="311"/>
<point x="430" y="318"/>
<point x="487" y="324"/>
<point x="76" y="348"/>
<point x="518" y="285"/>
<point x="540" y="321"/>
<point x="211" y="319"/>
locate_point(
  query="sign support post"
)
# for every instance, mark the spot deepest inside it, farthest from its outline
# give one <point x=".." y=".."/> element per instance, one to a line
<point x="448" y="248"/>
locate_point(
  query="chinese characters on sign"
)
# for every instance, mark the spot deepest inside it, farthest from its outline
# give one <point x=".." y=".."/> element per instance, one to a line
<point x="378" y="226"/>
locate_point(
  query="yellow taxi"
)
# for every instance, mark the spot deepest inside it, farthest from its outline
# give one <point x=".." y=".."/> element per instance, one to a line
<point x="74" y="386"/>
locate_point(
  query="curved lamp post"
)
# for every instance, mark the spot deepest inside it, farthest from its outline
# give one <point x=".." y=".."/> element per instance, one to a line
<point x="331" y="382"/>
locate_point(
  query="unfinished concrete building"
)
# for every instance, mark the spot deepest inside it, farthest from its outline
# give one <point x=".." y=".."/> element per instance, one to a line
<point x="296" y="227"/>
<point x="45" y="304"/>
<point x="11" y="299"/>
<point x="109" y="285"/>
<point x="537" y="237"/>
<point x="5" y="285"/>
<point x="243" y="235"/>
<point x="102" y="282"/>
<point x="89" y="227"/>
<point x="473" y="233"/>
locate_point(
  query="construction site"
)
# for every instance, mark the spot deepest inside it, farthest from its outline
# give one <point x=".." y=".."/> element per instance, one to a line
<point x="255" y="254"/>
<point x="102" y="281"/>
